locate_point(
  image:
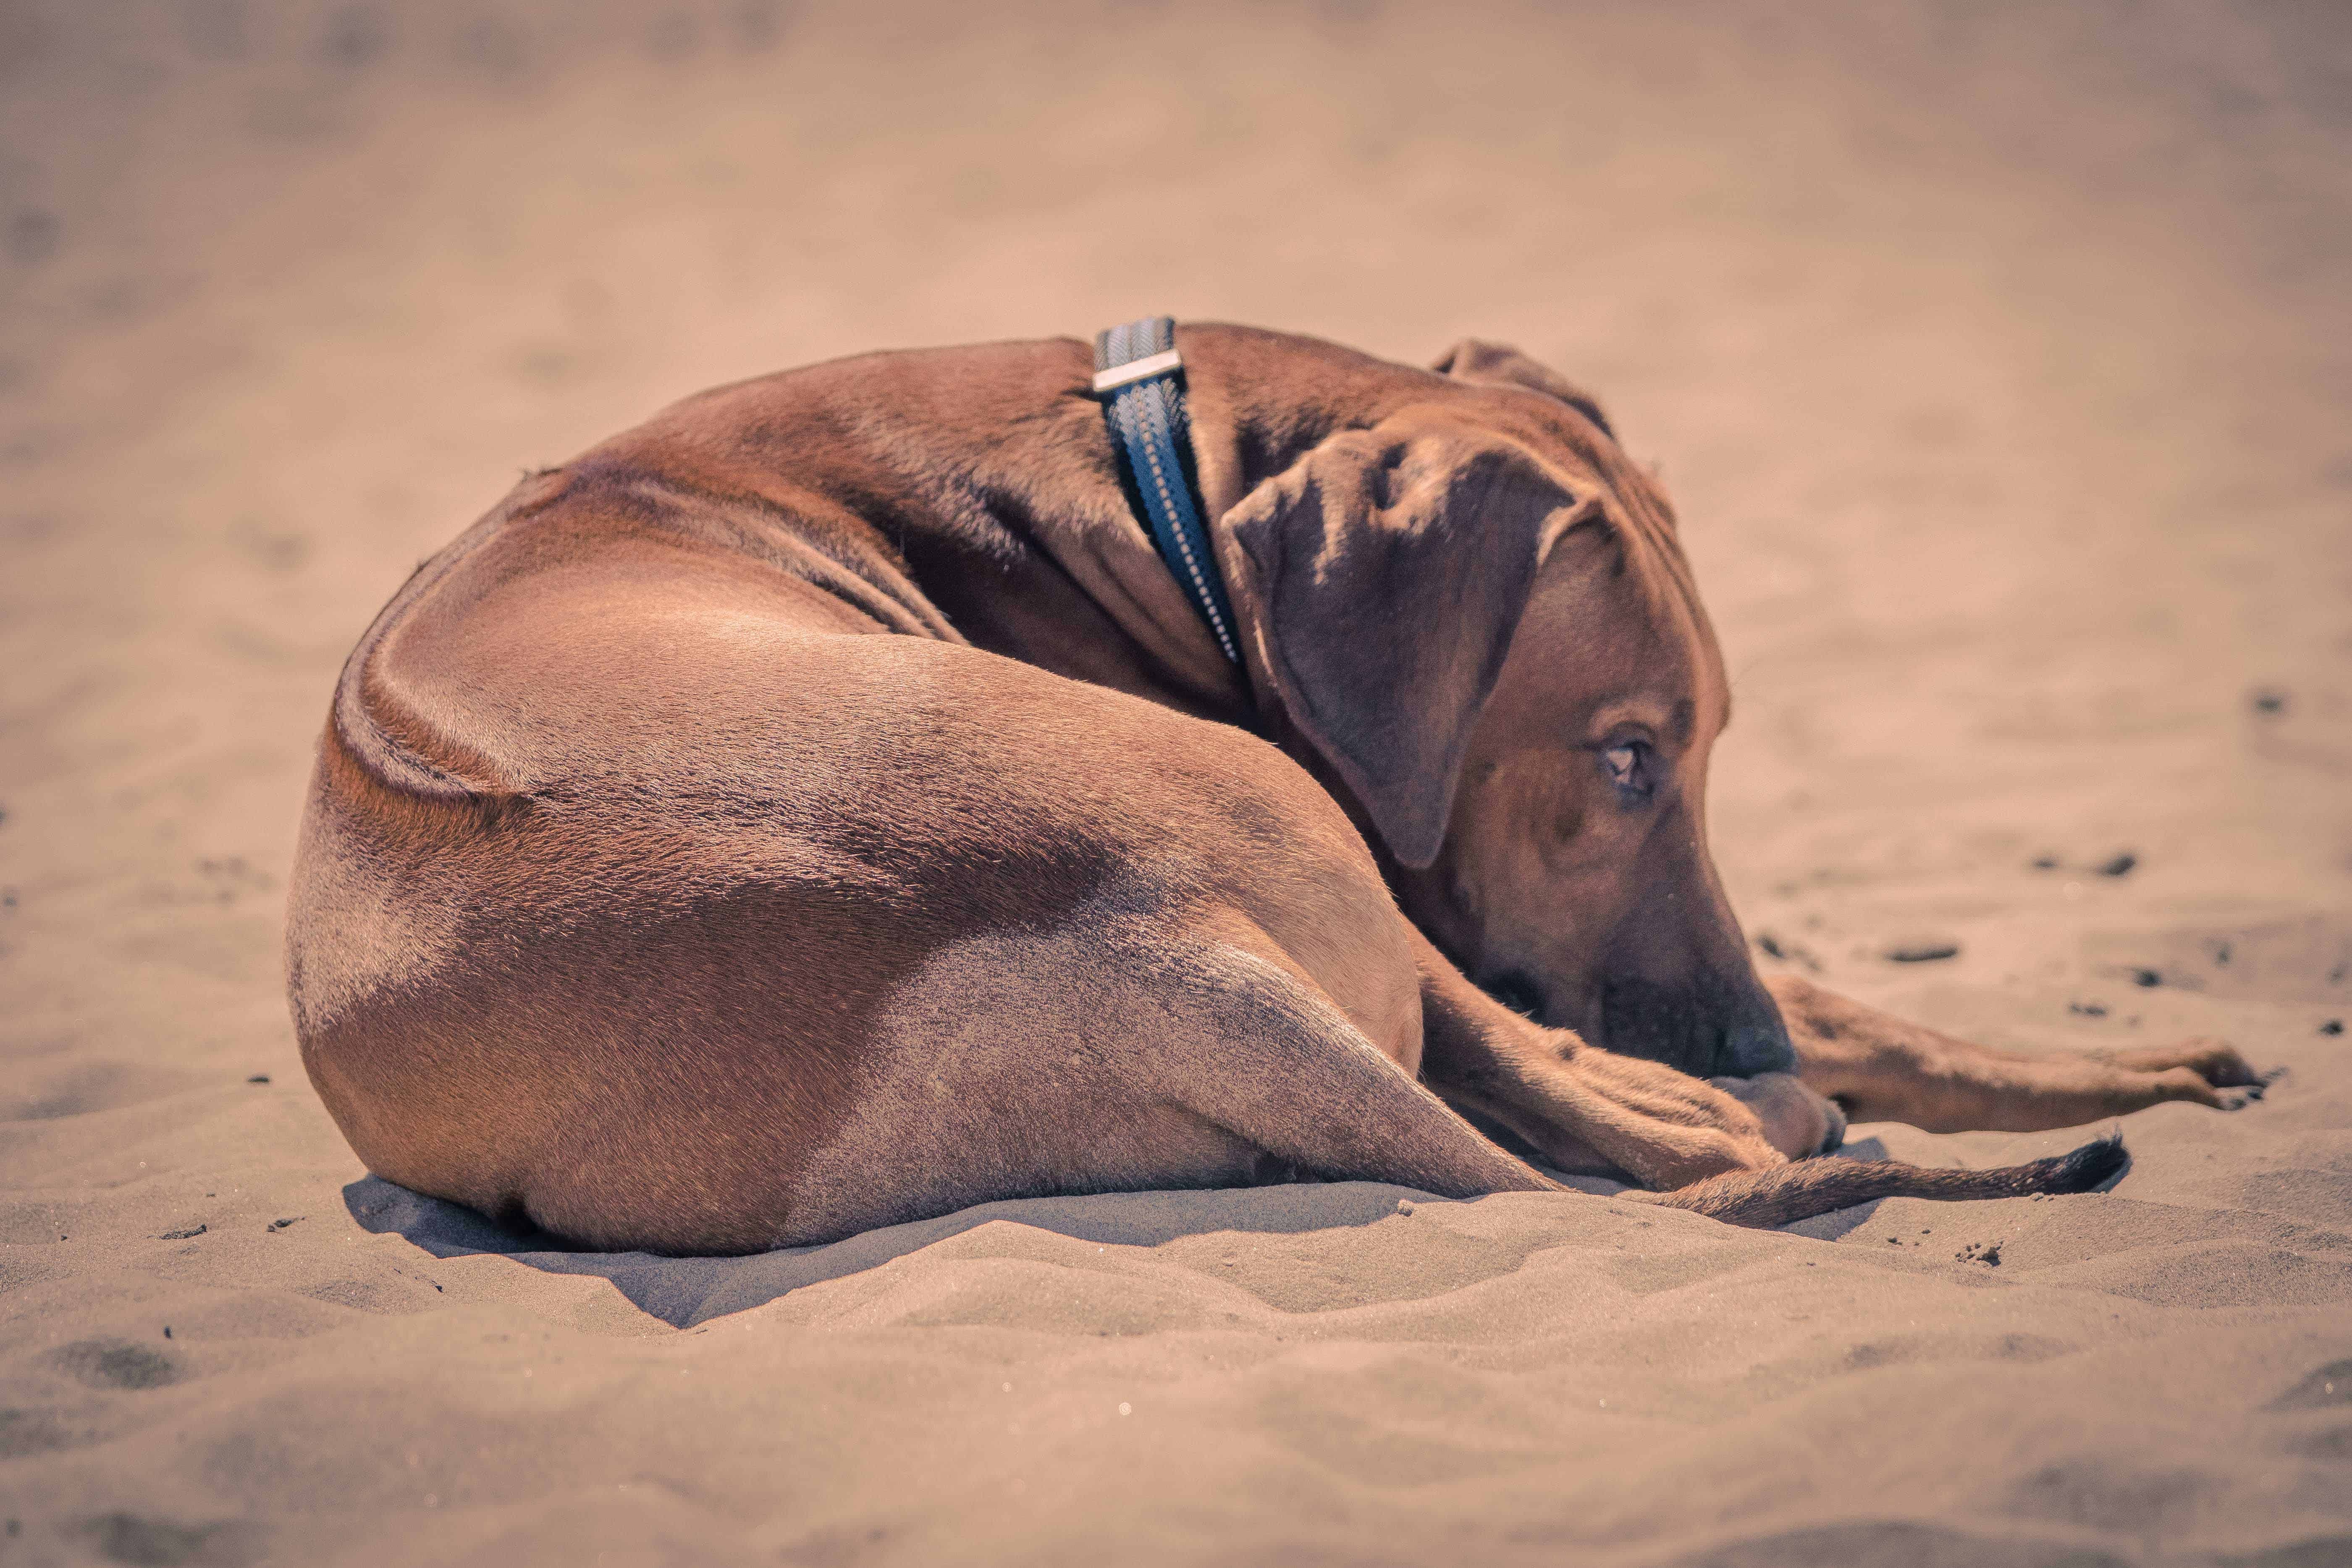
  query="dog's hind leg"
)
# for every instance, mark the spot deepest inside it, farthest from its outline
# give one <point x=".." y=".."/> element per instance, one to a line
<point x="1277" y="1065"/>
<point x="1118" y="1051"/>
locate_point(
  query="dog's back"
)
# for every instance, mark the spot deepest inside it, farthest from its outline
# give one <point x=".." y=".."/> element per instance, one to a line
<point x="673" y="876"/>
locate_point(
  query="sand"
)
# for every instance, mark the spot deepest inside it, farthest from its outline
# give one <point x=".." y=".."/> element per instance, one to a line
<point x="1997" y="358"/>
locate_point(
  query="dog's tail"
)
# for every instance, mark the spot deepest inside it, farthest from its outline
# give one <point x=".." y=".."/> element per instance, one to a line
<point x="1762" y="1199"/>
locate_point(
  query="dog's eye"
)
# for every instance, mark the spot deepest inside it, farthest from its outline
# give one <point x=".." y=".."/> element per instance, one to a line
<point x="1632" y="768"/>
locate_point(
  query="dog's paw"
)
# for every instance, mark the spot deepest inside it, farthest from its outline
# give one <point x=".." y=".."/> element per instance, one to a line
<point x="1796" y="1121"/>
<point x="2215" y="1061"/>
<point x="2237" y="1097"/>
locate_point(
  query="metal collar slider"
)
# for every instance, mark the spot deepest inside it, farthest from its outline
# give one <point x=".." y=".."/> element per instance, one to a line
<point x="1142" y="369"/>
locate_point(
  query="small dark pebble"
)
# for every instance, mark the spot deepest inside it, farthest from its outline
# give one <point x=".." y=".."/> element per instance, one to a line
<point x="2046" y="862"/>
<point x="2145" y="977"/>
<point x="2333" y="1027"/>
<point x="258" y="1078"/>
<point x="2121" y="865"/>
<point x="1923" y="952"/>
<point x="2088" y="1009"/>
<point x="282" y="1224"/>
<point x="1769" y="945"/>
<point x="1986" y="1252"/>
<point x="185" y="1233"/>
<point x="167" y="1330"/>
<point x="2268" y="699"/>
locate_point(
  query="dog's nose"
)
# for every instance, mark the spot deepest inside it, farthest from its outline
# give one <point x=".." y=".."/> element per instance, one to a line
<point x="1749" y="1048"/>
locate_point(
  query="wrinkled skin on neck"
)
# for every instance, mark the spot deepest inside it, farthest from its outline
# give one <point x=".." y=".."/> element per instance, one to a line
<point x="1575" y="882"/>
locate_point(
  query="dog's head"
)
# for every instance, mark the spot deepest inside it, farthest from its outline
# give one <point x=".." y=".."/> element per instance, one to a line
<point x="1475" y="615"/>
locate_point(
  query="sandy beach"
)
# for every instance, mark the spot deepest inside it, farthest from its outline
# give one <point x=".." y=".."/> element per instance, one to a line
<point x="1997" y="359"/>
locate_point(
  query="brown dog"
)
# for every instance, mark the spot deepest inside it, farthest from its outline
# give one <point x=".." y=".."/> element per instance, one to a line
<point x="820" y="807"/>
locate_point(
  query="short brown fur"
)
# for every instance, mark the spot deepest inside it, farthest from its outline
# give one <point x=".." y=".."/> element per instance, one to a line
<point x="819" y="808"/>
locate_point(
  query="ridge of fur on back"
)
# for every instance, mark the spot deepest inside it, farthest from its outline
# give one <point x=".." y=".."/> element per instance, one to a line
<point x="1764" y="1199"/>
<point x="357" y="729"/>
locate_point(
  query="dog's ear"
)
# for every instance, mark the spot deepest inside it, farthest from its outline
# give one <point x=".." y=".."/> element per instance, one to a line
<point x="1383" y="576"/>
<point x="1500" y="365"/>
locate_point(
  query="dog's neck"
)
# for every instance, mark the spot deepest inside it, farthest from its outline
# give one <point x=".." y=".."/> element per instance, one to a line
<point x="989" y="474"/>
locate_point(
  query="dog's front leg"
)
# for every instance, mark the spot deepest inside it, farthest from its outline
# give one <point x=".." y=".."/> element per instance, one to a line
<point x="1580" y="1108"/>
<point x="1883" y="1068"/>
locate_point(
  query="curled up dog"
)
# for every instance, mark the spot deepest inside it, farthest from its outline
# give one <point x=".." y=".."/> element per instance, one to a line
<point x="934" y="777"/>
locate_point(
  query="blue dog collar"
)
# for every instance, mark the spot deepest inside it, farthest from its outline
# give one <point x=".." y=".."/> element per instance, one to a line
<point x="1139" y="376"/>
